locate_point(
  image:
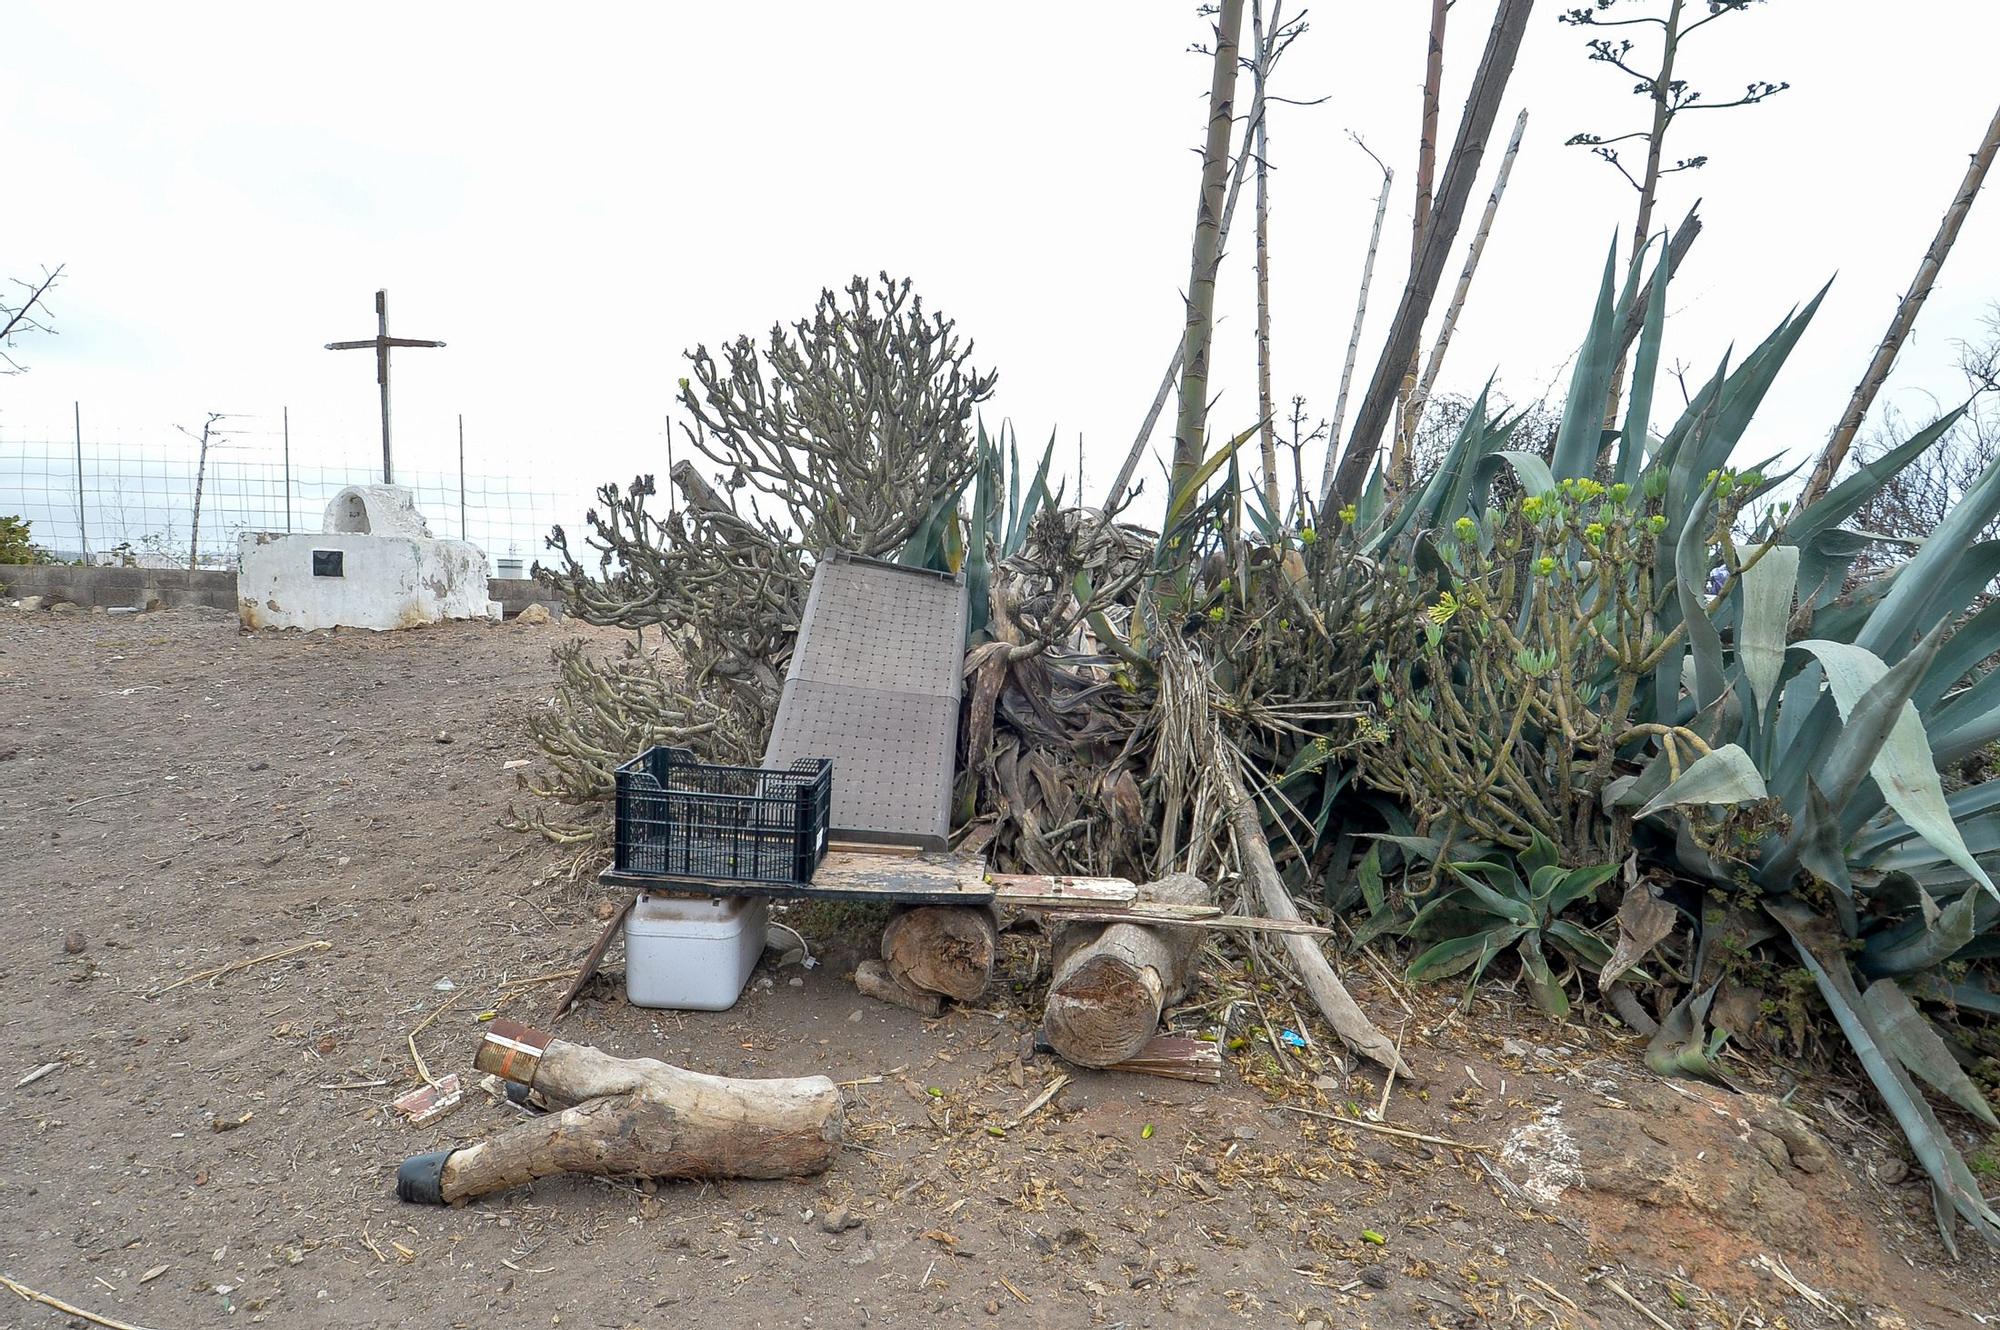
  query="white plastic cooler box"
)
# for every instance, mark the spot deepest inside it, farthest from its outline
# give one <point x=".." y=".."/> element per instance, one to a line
<point x="692" y="953"/>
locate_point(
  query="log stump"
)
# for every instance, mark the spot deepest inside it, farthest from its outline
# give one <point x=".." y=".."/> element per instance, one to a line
<point x="944" y="949"/>
<point x="1111" y="981"/>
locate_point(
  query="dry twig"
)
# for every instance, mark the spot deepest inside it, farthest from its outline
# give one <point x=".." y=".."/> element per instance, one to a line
<point x="233" y="966"/>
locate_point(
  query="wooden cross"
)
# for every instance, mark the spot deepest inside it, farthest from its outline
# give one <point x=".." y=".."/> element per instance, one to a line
<point x="380" y="344"/>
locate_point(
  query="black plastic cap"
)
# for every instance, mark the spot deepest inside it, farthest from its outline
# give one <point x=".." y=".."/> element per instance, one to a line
<point x="421" y="1178"/>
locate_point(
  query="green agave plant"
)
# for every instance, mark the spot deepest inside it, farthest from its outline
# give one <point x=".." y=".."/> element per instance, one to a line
<point x="1491" y="907"/>
<point x="996" y="526"/>
<point x="1819" y="714"/>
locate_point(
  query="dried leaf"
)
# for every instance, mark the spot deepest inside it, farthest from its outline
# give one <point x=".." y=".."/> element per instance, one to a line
<point x="1644" y="921"/>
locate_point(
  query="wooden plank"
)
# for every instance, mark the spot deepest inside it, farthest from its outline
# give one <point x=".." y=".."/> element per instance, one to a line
<point x="1162" y="916"/>
<point x="1035" y="889"/>
<point x="870" y="847"/>
<point x="595" y="957"/>
<point x="931" y="877"/>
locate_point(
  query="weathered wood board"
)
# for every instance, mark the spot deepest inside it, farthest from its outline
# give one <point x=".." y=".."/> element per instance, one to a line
<point x="933" y="877"/>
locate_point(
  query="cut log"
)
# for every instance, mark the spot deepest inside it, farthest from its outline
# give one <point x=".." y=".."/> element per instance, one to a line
<point x="1111" y="981"/>
<point x="873" y="979"/>
<point x="634" y="1117"/>
<point x="945" y="949"/>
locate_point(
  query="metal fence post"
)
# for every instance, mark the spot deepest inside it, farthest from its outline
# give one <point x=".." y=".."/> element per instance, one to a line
<point x="288" y="470"/>
<point x="461" y="477"/>
<point x="82" y="531"/>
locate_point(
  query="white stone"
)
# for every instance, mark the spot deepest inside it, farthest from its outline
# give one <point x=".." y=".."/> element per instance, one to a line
<point x="375" y="510"/>
<point x="378" y="568"/>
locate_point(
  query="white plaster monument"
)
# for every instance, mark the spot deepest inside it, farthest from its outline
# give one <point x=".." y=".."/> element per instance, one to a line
<point x="374" y="564"/>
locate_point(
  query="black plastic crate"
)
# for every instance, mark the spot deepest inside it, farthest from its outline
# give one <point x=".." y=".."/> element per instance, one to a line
<point x="677" y="817"/>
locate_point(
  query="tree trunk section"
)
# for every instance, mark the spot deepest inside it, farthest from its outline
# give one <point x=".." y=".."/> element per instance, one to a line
<point x="1482" y="105"/>
<point x="945" y="949"/>
<point x="1905" y="318"/>
<point x="1112" y="980"/>
<point x="1206" y="255"/>
<point x="1354" y="337"/>
<point x="872" y="979"/>
<point x="637" y="1117"/>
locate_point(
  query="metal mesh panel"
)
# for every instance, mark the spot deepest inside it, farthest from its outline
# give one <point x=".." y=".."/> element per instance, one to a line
<point x="874" y="685"/>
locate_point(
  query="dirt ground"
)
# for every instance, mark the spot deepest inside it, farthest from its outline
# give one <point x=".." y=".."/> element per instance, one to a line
<point x="176" y="795"/>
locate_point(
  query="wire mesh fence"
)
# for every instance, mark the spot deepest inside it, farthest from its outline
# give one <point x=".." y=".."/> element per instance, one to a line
<point x="111" y="500"/>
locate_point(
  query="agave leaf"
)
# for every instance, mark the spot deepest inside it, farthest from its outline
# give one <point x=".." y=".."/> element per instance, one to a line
<point x="1744" y="390"/>
<point x="1724" y="775"/>
<point x="1444" y="495"/>
<point x="1565" y="887"/>
<point x="1923" y="945"/>
<point x="1981" y="835"/>
<point x="1475" y="951"/>
<point x="1816" y="845"/>
<point x="1767" y="608"/>
<point x="1491" y="901"/>
<point x="1846" y="499"/>
<point x="1691" y="571"/>
<point x="1681" y="1047"/>
<point x="1645" y="371"/>
<point x="1950" y="1177"/>
<point x="1369" y="873"/>
<point x="1959" y="593"/>
<point x="1038" y="495"/>
<point x="1542" y="984"/>
<point x="1825" y="561"/>
<point x="1580" y="944"/>
<point x="979" y="538"/>
<point x="1693" y="418"/>
<point x="1895" y="621"/>
<point x="1968" y="721"/>
<point x="1187" y="495"/>
<point x="1541" y="853"/>
<point x="1534" y="473"/>
<point x="1969" y="644"/>
<point x="1972" y="804"/>
<point x="1581" y="433"/>
<point x="1374" y="497"/>
<point x="1901" y="764"/>
<point x="1914" y="1041"/>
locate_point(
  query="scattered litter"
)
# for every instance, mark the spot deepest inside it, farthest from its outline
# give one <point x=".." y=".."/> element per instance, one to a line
<point x="153" y="1274"/>
<point x="37" y="1074"/>
<point x="427" y="1103"/>
<point x="516" y="762"/>
<point x="443" y="986"/>
<point x="422" y="1025"/>
<point x="1039" y="1102"/>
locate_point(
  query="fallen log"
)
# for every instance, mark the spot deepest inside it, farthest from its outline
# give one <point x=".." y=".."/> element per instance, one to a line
<point x="946" y="949"/>
<point x="1328" y="993"/>
<point x="631" y="1117"/>
<point x="1111" y="981"/>
<point x="872" y="979"/>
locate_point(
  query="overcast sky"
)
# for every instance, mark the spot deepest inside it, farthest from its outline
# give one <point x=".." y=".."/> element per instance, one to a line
<point x="571" y="195"/>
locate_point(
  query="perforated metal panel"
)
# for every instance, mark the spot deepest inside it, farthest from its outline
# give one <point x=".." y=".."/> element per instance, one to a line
<point x="880" y="625"/>
<point x="874" y="685"/>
